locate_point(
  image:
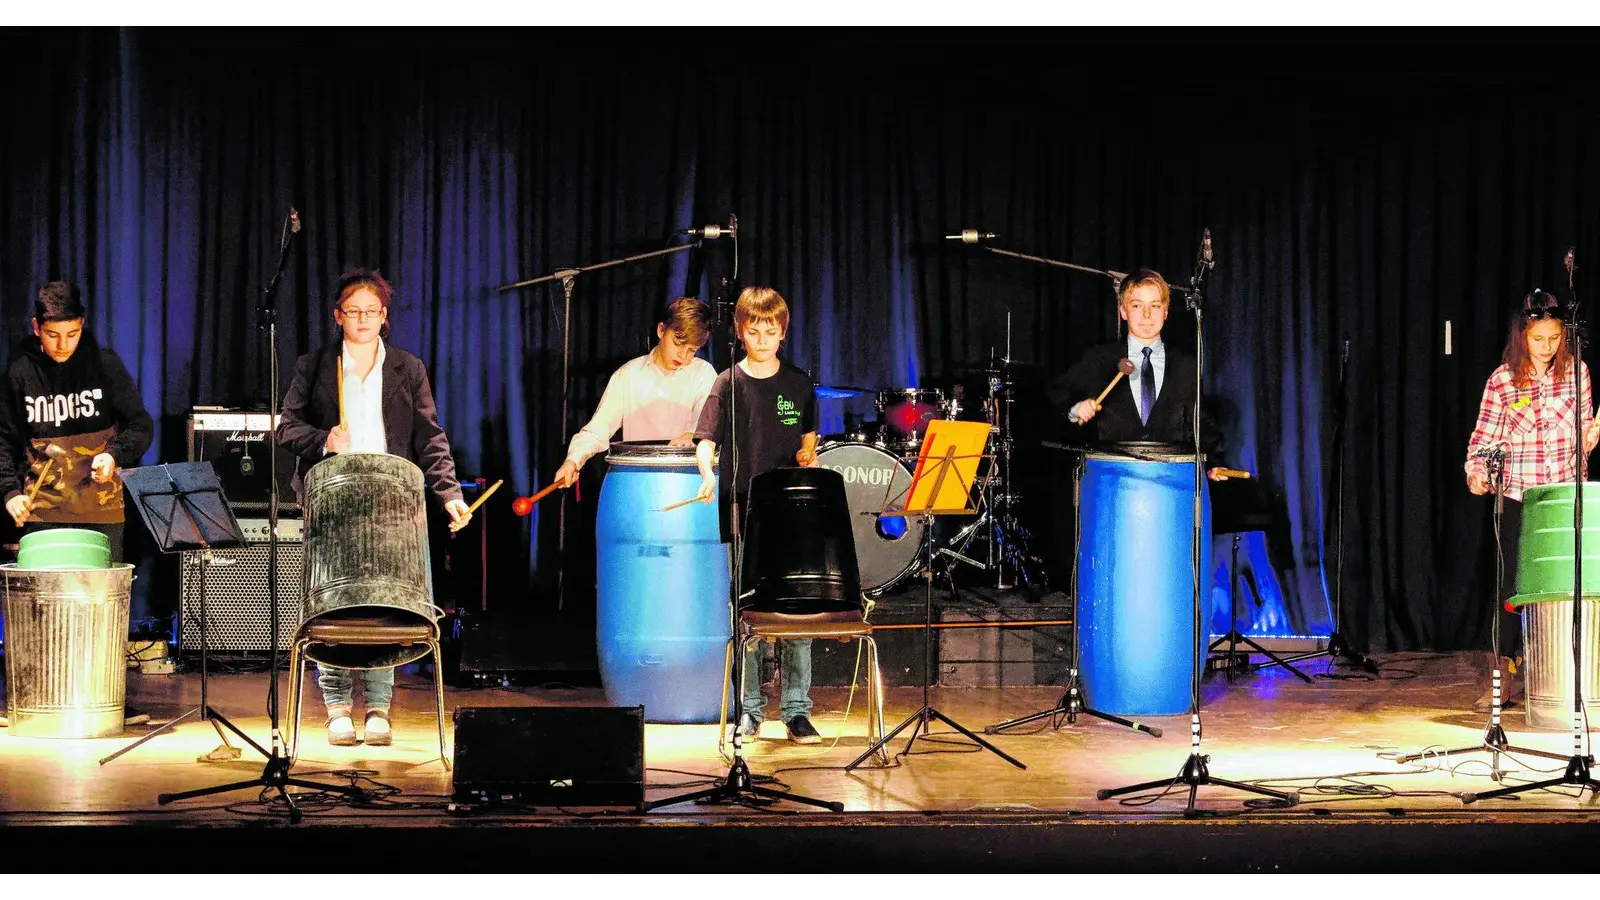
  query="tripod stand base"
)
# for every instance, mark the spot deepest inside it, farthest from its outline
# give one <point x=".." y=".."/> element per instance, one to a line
<point x="275" y="776"/>
<point x="1196" y="775"/>
<point x="737" y="788"/>
<point x="206" y="714"/>
<point x="1336" y="649"/>
<point x="1233" y="639"/>
<point x="1070" y="707"/>
<point x="1494" y="743"/>
<point x="1577" y="774"/>
<point x="924" y="718"/>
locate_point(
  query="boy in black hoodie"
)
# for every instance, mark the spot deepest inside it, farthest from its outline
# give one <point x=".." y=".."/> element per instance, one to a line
<point x="71" y="403"/>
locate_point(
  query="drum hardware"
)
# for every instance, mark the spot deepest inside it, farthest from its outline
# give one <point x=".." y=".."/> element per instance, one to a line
<point x="1195" y="772"/>
<point x="937" y="465"/>
<point x="1006" y="551"/>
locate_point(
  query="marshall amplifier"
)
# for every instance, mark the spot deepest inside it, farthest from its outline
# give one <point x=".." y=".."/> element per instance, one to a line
<point x="235" y="443"/>
<point x="238" y="614"/>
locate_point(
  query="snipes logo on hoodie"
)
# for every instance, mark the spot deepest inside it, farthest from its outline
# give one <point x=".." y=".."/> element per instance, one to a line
<point x="58" y="408"/>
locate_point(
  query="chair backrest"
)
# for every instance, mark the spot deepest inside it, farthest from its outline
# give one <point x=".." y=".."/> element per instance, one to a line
<point x="799" y="551"/>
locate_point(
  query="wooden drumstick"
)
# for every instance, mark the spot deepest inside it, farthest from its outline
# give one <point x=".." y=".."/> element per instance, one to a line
<point x="338" y="369"/>
<point x="484" y="496"/>
<point x="672" y="506"/>
<point x="38" y="483"/>
<point x="1124" y="367"/>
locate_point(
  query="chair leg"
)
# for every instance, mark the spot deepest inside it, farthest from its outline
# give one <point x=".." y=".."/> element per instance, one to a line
<point x="722" y="717"/>
<point x="438" y="696"/>
<point x="874" y="698"/>
<point x="296" y="691"/>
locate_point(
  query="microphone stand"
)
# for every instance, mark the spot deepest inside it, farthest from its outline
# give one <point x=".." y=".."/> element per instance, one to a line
<point x="275" y="774"/>
<point x="569" y="280"/>
<point x="1195" y="772"/>
<point x="1338" y="646"/>
<point x="1578" y="771"/>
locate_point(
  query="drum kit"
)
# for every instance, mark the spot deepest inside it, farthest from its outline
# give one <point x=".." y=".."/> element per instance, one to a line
<point x="877" y="460"/>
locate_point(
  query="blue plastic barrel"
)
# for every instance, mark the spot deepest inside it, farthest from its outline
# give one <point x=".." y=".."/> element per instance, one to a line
<point x="1136" y="582"/>
<point x="662" y="624"/>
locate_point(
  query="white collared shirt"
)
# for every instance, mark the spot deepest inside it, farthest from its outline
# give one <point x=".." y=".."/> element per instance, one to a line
<point x="1158" y="362"/>
<point x="363" y="403"/>
<point x="647" y="402"/>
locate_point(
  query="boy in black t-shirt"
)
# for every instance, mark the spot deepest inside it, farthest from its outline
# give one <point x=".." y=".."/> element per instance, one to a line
<point x="776" y="412"/>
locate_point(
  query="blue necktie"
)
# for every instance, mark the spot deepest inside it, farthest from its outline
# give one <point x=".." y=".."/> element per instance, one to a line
<point x="1147" y="388"/>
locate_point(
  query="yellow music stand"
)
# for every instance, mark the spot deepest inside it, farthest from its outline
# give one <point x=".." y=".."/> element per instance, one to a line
<point x="941" y="485"/>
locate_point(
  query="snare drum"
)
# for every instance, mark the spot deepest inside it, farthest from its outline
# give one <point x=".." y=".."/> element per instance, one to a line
<point x="887" y="547"/>
<point x="904" y="415"/>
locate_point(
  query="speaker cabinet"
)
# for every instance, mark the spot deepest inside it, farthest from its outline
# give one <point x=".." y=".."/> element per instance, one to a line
<point x="561" y="756"/>
<point x="237" y="611"/>
<point x="235" y="443"/>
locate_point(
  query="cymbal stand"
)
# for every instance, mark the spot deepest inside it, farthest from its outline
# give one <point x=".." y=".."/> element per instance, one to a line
<point x="1005" y="537"/>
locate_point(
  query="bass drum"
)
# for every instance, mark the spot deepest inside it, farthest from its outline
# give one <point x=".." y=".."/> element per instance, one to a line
<point x="888" y="548"/>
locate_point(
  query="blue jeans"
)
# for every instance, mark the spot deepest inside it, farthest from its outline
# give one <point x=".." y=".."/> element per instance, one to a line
<point x="338" y="689"/>
<point x="794" y="670"/>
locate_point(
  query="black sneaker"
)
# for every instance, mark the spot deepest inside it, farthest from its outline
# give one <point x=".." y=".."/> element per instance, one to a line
<point x="749" y="728"/>
<point x="801" y="732"/>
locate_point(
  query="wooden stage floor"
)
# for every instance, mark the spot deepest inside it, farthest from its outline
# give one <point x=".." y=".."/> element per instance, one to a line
<point x="1333" y="741"/>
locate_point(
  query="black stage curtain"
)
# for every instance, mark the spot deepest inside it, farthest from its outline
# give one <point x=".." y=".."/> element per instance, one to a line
<point x="1372" y="192"/>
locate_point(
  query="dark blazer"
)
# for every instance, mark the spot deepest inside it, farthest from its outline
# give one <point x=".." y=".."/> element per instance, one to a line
<point x="1171" y="419"/>
<point x="410" y="420"/>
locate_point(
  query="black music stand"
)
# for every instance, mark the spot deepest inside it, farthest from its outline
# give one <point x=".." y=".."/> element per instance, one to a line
<point x="183" y="506"/>
<point x="1240" y="506"/>
<point x="940" y="486"/>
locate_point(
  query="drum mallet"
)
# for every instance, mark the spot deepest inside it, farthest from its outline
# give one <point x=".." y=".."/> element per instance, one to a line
<point x="38" y="483"/>
<point x="524" y="505"/>
<point x="1124" y="367"/>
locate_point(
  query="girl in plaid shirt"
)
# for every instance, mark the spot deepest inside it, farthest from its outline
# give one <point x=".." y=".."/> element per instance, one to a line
<point x="1525" y="419"/>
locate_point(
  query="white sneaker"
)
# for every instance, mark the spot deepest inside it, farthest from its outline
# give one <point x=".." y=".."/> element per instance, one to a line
<point x="378" y="732"/>
<point x="341" y="731"/>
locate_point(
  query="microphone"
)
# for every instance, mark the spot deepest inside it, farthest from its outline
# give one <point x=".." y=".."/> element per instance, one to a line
<point x="1346" y="355"/>
<point x="1499" y="450"/>
<point x="294" y="220"/>
<point x="971" y="236"/>
<point x="1568" y="260"/>
<point x="1205" y="249"/>
<point x="712" y="232"/>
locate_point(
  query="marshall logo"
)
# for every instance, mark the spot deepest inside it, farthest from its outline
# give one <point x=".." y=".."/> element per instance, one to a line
<point x="239" y="437"/>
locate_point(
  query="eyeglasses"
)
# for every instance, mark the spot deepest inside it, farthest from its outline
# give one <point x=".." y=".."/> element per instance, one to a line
<point x="361" y="315"/>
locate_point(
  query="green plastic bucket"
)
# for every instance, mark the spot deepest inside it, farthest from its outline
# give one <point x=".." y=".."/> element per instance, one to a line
<point x="64" y="548"/>
<point x="1544" y="552"/>
<point x="1544" y="599"/>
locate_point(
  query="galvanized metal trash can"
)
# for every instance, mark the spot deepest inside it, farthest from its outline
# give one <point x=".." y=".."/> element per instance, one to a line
<point x="66" y="650"/>
<point x="1547" y="662"/>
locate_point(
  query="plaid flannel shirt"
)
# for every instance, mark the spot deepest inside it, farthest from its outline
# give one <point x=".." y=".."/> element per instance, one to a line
<point x="1535" y="425"/>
